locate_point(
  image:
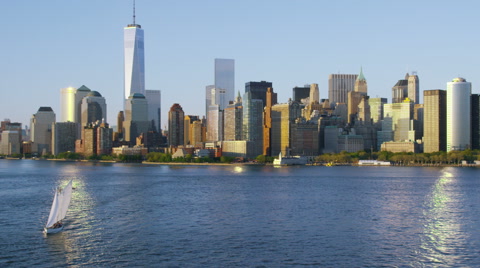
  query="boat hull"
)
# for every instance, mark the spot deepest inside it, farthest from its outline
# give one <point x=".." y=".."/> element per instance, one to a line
<point x="52" y="230"/>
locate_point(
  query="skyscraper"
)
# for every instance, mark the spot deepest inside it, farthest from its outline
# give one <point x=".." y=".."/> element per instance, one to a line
<point x="258" y="90"/>
<point x="136" y="117"/>
<point x="435" y="121"/>
<point x="41" y="126"/>
<point x="400" y="90"/>
<point x="338" y="87"/>
<point x="154" y="108"/>
<point x="458" y="114"/>
<point x="414" y="88"/>
<point x="176" y="123"/>
<point x="94" y="108"/>
<point x="224" y="82"/>
<point x="134" y="59"/>
<point x="71" y="102"/>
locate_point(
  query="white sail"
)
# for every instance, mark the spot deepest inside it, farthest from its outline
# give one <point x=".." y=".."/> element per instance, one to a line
<point x="52" y="218"/>
<point x="61" y="201"/>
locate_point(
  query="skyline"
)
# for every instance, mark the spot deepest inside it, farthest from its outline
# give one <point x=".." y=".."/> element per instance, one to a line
<point x="276" y="42"/>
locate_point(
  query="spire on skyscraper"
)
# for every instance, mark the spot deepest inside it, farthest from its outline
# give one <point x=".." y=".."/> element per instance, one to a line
<point x="360" y="77"/>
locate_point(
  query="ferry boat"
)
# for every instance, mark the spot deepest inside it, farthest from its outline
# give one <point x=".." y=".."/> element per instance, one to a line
<point x="289" y="160"/>
<point x="373" y="163"/>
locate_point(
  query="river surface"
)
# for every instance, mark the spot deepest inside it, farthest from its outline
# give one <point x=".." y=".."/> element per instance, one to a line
<point x="127" y="215"/>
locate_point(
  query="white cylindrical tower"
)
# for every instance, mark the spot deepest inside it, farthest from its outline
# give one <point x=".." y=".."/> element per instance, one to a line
<point x="458" y="114"/>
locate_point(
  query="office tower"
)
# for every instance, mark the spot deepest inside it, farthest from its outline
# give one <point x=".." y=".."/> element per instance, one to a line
<point x="314" y="93"/>
<point x="233" y="121"/>
<point x="154" y="109"/>
<point x="71" y="102"/>
<point x="300" y="93"/>
<point x="258" y="90"/>
<point x="401" y="117"/>
<point x="413" y="88"/>
<point x="136" y="117"/>
<point x="197" y="133"/>
<point x="376" y="108"/>
<point x="208" y="98"/>
<point x="253" y="121"/>
<point x="9" y="143"/>
<point x="134" y="59"/>
<point x="418" y="114"/>
<point x="475" y="113"/>
<point x="475" y="125"/>
<point x="304" y="138"/>
<point x="400" y="90"/>
<point x="104" y="139"/>
<point x="94" y="108"/>
<point x="338" y="87"/>
<point x="214" y="123"/>
<point x="14" y="126"/>
<point x="118" y="136"/>
<point x="361" y="83"/>
<point x="458" y="114"/>
<point x="435" y="121"/>
<point x="282" y="116"/>
<point x="41" y="127"/>
<point x="187" y="127"/>
<point x="224" y="82"/>
<point x="64" y="135"/>
<point x="354" y="99"/>
<point x="364" y="114"/>
<point x="267" y="122"/>
<point x="176" y="125"/>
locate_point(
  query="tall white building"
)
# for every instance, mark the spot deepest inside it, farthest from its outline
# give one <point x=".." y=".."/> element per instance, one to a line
<point x="154" y="104"/>
<point x="224" y="82"/>
<point x="458" y="114"/>
<point x="134" y="60"/>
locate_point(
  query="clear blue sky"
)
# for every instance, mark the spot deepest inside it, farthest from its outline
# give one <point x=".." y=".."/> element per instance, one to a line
<point x="48" y="45"/>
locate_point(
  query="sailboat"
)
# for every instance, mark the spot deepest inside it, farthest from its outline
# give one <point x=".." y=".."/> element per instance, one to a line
<point x="61" y="201"/>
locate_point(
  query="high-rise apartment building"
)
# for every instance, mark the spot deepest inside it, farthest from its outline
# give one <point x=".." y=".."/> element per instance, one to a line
<point x="435" y="120"/>
<point x="338" y="87"/>
<point x="187" y="127"/>
<point x="224" y="82"/>
<point x="154" y="109"/>
<point x="458" y="114"/>
<point x="41" y="130"/>
<point x="134" y="59"/>
<point x="176" y="123"/>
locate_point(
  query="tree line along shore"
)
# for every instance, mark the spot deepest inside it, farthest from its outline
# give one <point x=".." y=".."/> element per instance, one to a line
<point x="342" y="158"/>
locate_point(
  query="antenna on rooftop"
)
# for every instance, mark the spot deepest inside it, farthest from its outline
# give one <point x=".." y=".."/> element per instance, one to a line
<point x="133" y="11"/>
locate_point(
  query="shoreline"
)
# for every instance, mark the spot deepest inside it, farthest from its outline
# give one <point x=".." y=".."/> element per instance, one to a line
<point x="245" y="164"/>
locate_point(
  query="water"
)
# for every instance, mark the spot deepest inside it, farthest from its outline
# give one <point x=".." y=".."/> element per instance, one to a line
<point x="126" y="215"/>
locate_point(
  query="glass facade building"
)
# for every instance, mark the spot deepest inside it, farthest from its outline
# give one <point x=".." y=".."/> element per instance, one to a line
<point x="224" y="82"/>
<point x="134" y="60"/>
<point x="458" y="114"/>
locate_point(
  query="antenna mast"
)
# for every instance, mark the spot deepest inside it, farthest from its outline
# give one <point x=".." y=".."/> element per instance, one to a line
<point x="134" y="12"/>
